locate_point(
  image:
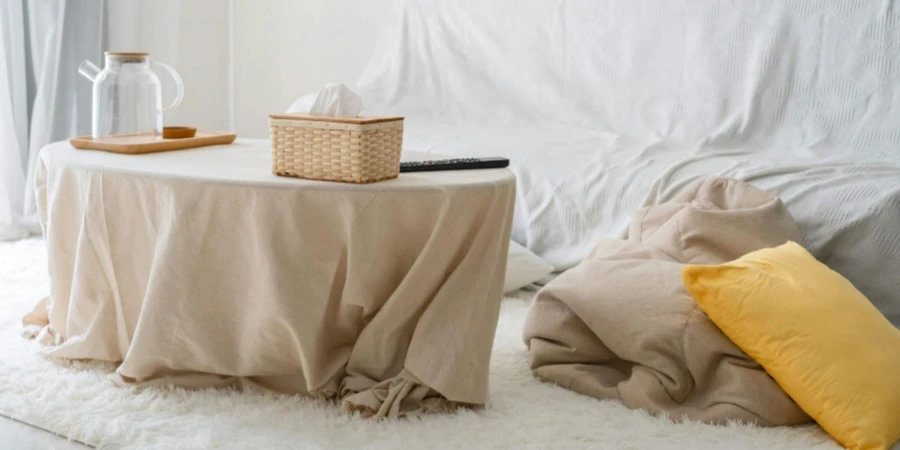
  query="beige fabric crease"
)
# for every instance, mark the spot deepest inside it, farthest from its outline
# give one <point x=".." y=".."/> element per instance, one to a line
<point x="200" y="268"/>
<point x="620" y="325"/>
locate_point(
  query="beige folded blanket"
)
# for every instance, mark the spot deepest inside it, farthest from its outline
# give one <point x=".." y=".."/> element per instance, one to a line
<point x="620" y="325"/>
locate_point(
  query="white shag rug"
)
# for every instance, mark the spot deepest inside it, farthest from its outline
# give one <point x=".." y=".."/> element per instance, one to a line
<point x="78" y="401"/>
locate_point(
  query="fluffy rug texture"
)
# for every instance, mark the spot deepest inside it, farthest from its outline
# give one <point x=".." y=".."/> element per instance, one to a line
<point x="76" y="399"/>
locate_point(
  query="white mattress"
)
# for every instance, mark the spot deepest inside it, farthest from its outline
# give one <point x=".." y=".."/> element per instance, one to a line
<point x="606" y="105"/>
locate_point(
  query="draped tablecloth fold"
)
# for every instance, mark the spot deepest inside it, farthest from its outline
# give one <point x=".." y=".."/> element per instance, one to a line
<point x="200" y="268"/>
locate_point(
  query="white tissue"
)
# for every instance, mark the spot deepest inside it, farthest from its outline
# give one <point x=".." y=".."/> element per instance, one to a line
<point x="333" y="100"/>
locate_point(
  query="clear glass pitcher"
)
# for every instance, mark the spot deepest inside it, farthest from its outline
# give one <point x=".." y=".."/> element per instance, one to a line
<point x="127" y="97"/>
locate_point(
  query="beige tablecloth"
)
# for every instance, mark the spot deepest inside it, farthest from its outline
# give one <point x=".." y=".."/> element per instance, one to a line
<point x="201" y="268"/>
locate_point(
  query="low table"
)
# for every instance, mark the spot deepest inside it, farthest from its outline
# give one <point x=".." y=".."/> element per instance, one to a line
<point x="201" y="268"/>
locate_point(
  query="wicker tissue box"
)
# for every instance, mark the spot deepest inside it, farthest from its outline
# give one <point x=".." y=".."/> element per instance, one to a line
<point x="348" y="149"/>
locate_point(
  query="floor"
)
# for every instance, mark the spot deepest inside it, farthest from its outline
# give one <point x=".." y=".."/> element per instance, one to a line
<point x="19" y="436"/>
<point x="77" y="398"/>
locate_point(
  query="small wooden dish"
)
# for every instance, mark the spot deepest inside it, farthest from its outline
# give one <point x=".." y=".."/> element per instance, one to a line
<point x="178" y="132"/>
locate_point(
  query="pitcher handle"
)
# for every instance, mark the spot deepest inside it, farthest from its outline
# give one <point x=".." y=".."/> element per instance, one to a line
<point x="180" y="95"/>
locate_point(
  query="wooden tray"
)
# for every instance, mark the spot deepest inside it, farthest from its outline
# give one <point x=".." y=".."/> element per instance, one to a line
<point x="137" y="144"/>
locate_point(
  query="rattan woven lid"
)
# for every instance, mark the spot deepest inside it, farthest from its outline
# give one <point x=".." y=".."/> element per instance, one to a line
<point x="351" y="120"/>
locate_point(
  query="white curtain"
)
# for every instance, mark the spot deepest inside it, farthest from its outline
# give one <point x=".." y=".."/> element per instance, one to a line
<point x="42" y="97"/>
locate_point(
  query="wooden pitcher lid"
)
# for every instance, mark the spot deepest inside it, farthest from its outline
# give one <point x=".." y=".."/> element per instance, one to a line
<point x="127" y="54"/>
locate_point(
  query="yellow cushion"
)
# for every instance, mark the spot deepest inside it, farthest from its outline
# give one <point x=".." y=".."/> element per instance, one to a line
<point x="815" y="334"/>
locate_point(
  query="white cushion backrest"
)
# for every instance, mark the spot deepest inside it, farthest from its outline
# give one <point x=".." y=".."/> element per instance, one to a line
<point x="792" y="74"/>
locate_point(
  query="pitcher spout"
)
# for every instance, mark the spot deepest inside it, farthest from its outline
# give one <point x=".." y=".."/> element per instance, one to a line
<point x="89" y="70"/>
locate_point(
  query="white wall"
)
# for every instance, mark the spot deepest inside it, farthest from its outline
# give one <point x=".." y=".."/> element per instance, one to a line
<point x="242" y="60"/>
<point x="202" y="57"/>
<point x="286" y="48"/>
<point x="192" y="36"/>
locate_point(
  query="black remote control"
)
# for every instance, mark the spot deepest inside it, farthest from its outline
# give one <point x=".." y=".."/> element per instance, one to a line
<point x="454" y="164"/>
